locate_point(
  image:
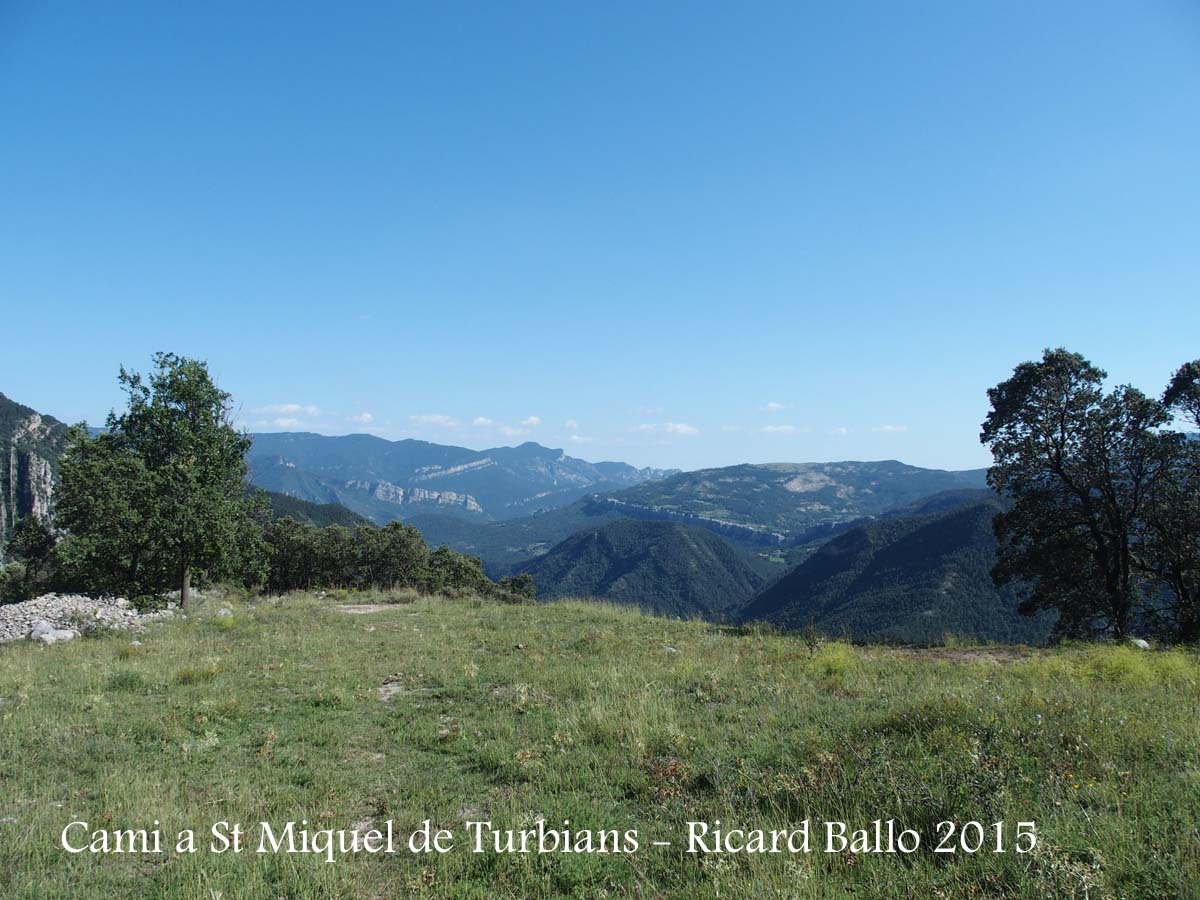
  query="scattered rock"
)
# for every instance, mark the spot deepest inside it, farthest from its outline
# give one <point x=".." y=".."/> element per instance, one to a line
<point x="46" y="633"/>
<point x="359" y="609"/>
<point x="519" y="647"/>
<point x="224" y="611"/>
<point x="1139" y="643"/>
<point x="669" y="650"/>
<point x="52" y="618"/>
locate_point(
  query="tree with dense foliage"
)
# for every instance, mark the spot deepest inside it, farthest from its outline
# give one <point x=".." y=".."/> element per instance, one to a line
<point x="1082" y="467"/>
<point x="32" y="545"/>
<point x="1169" y="540"/>
<point x="454" y="573"/>
<point x="159" y="495"/>
<point x="392" y="556"/>
<point x="105" y="504"/>
<point x="302" y="556"/>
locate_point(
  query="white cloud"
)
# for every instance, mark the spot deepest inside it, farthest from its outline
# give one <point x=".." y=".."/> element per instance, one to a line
<point x="891" y="429"/>
<point x="436" y="420"/>
<point x="510" y="431"/>
<point x="779" y="429"/>
<point x="571" y="425"/>
<point x="681" y="429"/>
<point x="482" y="421"/>
<point x="579" y="439"/>
<point x="531" y="422"/>
<point x="290" y="409"/>
<point x="362" y="418"/>
<point x="773" y="406"/>
<point x="286" y="423"/>
<point x="840" y="430"/>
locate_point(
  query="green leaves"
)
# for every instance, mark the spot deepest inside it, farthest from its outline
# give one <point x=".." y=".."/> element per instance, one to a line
<point x="161" y="492"/>
<point x="1086" y="470"/>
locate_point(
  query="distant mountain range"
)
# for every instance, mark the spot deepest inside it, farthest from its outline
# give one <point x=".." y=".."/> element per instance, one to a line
<point x="385" y="480"/>
<point x="505" y="546"/>
<point x="915" y="574"/>
<point x="753" y="506"/>
<point x="668" y="568"/>
<point x="774" y="503"/>
<point x="874" y="550"/>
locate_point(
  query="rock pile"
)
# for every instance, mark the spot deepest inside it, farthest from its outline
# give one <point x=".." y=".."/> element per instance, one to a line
<point x="51" y="618"/>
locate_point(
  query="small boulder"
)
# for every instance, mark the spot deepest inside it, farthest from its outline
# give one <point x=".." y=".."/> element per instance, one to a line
<point x="1139" y="643"/>
<point x="53" y="636"/>
<point x="40" y="627"/>
<point x="224" y="611"/>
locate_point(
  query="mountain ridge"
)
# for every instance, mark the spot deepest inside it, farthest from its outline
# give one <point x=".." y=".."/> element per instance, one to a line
<point x="772" y="502"/>
<point x="387" y="480"/>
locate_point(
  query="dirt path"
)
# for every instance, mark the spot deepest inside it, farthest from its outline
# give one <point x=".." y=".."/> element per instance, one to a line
<point x="998" y="655"/>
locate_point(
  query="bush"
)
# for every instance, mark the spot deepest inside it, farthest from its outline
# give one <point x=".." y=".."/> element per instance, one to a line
<point x="456" y="574"/>
<point x="520" y="588"/>
<point x="12" y="583"/>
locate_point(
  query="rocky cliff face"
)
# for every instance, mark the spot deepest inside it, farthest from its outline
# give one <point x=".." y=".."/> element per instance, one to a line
<point x="393" y="493"/>
<point x="30" y="446"/>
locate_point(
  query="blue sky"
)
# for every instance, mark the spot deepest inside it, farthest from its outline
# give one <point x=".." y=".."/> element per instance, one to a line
<point x="678" y="234"/>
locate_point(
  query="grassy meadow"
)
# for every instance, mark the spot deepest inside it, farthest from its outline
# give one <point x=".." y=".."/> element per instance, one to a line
<point x="599" y="715"/>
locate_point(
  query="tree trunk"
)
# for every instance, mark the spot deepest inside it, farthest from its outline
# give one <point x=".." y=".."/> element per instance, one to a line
<point x="185" y="587"/>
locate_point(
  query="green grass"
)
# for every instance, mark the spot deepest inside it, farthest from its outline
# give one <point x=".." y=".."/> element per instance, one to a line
<point x="272" y="714"/>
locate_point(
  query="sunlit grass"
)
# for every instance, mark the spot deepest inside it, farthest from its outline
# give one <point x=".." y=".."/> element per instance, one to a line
<point x="601" y="716"/>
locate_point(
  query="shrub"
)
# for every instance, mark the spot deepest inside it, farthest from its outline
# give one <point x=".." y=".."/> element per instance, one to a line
<point x="835" y="659"/>
<point x="456" y="574"/>
<point x="126" y="681"/>
<point x="12" y="583"/>
<point x="520" y="588"/>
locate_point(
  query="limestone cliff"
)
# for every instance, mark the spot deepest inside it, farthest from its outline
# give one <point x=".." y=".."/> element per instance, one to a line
<point x="30" y="447"/>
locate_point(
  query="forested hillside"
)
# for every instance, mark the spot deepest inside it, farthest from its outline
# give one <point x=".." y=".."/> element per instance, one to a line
<point x="504" y="546"/>
<point x="666" y="567"/>
<point x="910" y="579"/>
<point x="318" y="514"/>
